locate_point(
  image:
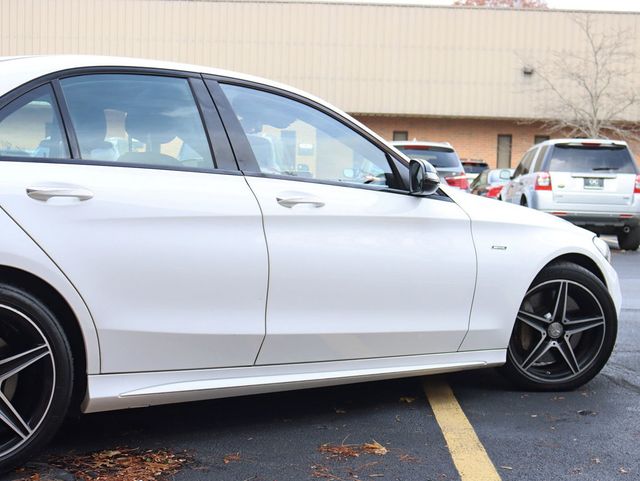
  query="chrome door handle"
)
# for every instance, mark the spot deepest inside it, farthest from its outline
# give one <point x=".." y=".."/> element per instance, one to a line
<point x="290" y="202"/>
<point x="46" y="193"/>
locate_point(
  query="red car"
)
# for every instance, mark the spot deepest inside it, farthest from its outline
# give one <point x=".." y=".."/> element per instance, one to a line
<point x="490" y="182"/>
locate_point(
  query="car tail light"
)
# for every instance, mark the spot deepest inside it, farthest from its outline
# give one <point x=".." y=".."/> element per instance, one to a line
<point x="636" y="189"/>
<point x="494" y="191"/>
<point x="543" y="181"/>
<point x="458" y="180"/>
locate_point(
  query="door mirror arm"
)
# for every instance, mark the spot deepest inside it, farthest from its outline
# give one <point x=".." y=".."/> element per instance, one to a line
<point x="424" y="178"/>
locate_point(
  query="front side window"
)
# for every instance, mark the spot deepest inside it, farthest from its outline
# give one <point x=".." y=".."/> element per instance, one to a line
<point x="30" y="126"/>
<point x="292" y="139"/>
<point x="137" y="119"/>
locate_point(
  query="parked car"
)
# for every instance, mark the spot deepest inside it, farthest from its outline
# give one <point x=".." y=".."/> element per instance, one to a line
<point x="593" y="183"/>
<point x="473" y="168"/>
<point x="490" y="182"/>
<point x="439" y="154"/>
<point x="147" y="208"/>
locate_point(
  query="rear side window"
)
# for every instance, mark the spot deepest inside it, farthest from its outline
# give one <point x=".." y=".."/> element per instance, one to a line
<point x="540" y="159"/>
<point x="570" y="158"/>
<point x="525" y="164"/>
<point x="137" y="119"/>
<point x="439" y="157"/>
<point x="30" y="126"/>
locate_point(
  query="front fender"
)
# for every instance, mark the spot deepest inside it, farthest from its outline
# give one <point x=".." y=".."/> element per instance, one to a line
<point x="513" y="244"/>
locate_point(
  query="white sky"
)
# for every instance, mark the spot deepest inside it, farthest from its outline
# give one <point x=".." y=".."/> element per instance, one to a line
<point x="606" y="5"/>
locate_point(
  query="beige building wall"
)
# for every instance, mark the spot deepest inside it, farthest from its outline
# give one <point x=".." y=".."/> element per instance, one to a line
<point x="372" y="59"/>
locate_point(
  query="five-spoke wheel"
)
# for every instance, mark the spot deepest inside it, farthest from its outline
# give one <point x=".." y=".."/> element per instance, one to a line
<point x="564" y="331"/>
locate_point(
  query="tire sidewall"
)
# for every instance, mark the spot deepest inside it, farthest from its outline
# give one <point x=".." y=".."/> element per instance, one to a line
<point x="575" y="273"/>
<point x="38" y="313"/>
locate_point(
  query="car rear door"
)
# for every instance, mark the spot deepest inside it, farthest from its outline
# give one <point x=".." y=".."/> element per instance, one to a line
<point x="165" y="246"/>
<point x="591" y="176"/>
<point x="358" y="268"/>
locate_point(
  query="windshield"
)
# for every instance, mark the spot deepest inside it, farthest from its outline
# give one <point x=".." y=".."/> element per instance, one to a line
<point x="573" y="158"/>
<point x="475" y="167"/>
<point x="439" y="157"/>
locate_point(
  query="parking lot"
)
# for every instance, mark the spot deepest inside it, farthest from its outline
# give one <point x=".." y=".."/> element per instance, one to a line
<point x="330" y="433"/>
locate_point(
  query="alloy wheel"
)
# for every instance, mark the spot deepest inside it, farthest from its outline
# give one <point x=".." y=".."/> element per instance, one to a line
<point x="27" y="379"/>
<point x="559" y="332"/>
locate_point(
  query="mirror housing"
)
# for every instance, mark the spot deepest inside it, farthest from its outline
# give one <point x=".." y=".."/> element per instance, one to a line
<point x="423" y="177"/>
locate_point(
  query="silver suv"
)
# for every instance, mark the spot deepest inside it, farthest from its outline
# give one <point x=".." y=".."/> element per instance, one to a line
<point x="593" y="183"/>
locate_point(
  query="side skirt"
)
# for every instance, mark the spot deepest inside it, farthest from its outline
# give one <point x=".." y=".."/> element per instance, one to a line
<point x="106" y="392"/>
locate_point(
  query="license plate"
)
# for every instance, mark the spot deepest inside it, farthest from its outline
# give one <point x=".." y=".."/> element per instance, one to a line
<point x="593" y="183"/>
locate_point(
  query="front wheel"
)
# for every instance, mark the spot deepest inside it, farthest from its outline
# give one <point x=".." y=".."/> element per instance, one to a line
<point x="631" y="240"/>
<point x="36" y="375"/>
<point x="565" y="330"/>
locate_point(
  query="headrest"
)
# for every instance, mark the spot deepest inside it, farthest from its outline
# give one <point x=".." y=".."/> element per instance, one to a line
<point x="149" y="127"/>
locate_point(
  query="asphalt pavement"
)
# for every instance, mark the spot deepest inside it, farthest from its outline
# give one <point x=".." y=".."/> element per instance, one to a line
<point x="589" y="434"/>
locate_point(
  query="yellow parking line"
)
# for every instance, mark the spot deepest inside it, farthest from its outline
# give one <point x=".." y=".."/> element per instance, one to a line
<point x="468" y="453"/>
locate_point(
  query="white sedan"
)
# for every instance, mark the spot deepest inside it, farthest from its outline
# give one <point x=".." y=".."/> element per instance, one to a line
<point x="173" y="233"/>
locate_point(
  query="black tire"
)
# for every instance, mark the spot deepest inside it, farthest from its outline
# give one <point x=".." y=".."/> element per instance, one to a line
<point x="523" y="202"/>
<point x="631" y="240"/>
<point x="572" y="356"/>
<point x="34" y="342"/>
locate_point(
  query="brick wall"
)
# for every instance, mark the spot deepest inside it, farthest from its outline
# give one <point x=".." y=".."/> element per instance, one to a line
<point x="472" y="138"/>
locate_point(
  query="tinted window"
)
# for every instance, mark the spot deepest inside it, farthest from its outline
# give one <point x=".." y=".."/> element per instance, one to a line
<point x="525" y="163"/>
<point x="500" y="176"/>
<point x="588" y="159"/>
<point x="138" y="119"/>
<point x="293" y="139"/>
<point x="474" y="167"/>
<point x="30" y="127"/>
<point x="540" y="160"/>
<point x="439" y="157"/>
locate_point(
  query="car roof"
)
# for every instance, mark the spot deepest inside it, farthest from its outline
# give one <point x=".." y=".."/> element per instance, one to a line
<point x="19" y="70"/>
<point x="580" y="142"/>
<point x="420" y="143"/>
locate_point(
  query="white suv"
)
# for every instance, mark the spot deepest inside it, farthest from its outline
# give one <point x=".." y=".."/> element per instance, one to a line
<point x="593" y="183"/>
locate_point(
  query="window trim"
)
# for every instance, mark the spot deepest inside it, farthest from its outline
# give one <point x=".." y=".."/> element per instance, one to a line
<point x="56" y="105"/>
<point x="219" y="146"/>
<point x="244" y="154"/>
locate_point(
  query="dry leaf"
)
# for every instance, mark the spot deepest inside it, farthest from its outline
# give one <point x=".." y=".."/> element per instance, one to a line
<point x="231" y="458"/>
<point x="324" y="473"/>
<point x="375" y="448"/>
<point x="122" y="464"/>
<point x="339" y="451"/>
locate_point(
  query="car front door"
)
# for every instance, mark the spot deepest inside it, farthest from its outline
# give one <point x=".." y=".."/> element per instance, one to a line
<point x="165" y="247"/>
<point x="358" y="268"/>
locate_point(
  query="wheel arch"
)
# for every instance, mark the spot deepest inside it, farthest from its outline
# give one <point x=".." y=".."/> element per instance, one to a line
<point x="64" y="313"/>
<point x="581" y="260"/>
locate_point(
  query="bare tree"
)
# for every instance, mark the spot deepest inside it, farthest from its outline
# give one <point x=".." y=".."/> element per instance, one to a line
<point x="593" y="92"/>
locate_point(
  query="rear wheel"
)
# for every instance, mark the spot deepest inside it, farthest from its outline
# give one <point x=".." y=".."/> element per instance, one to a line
<point x="523" y="202"/>
<point x="36" y="375"/>
<point x="631" y="240"/>
<point x="565" y="330"/>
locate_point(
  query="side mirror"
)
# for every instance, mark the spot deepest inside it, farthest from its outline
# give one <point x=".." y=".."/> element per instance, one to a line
<point x="423" y="177"/>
